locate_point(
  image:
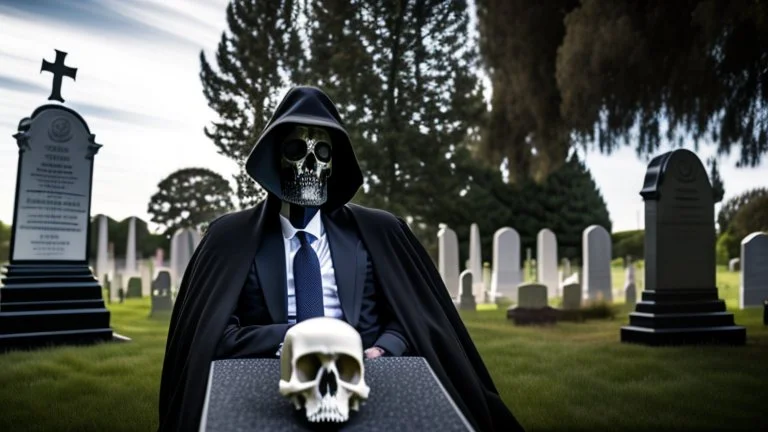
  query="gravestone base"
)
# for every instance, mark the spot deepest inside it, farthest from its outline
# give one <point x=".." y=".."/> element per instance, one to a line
<point x="570" y="315"/>
<point x="532" y="316"/>
<point x="682" y="317"/>
<point x="54" y="304"/>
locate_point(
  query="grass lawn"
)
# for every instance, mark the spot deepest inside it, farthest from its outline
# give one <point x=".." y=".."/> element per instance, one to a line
<point x="567" y="377"/>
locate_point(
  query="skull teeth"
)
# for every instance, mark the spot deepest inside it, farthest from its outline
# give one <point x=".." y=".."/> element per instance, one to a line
<point x="328" y="411"/>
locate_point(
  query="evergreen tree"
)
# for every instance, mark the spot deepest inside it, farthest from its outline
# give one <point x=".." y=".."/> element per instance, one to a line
<point x="257" y="59"/>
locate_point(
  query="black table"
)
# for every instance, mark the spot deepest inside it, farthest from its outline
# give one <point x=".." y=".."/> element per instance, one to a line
<point x="242" y="395"/>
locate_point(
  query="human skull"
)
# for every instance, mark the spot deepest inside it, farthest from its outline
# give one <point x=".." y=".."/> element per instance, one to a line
<point x="321" y="369"/>
<point x="306" y="165"/>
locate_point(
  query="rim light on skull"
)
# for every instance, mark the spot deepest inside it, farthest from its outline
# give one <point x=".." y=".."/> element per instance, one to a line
<point x="306" y="163"/>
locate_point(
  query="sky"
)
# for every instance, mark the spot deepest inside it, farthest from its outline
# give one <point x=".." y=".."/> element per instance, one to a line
<point x="139" y="90"/>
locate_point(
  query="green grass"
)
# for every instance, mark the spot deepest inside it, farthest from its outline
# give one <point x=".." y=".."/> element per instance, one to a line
<point x="565" y="377"/>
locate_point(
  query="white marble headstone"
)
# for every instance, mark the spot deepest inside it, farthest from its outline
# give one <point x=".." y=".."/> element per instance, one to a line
<point x="546" y="261"/>
<point x="596" y="252"/>
<point x="183" y="244"/>
<point x="754" y="270"/>
<point x="476" y="263"/>
<point x="102" y="253"/>
<point x="448" y="260"/>
<point x="130" y="252"/>
<point x="145" y="270"/>
<point x="506" y="274"/>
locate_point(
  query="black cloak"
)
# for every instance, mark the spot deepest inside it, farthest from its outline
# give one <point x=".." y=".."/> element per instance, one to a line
<point x="407" y="277"/>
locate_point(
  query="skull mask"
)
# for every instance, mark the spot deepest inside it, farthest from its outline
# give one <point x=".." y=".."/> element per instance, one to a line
<point x="306" y="166"/>
<point x="321" y="369"/>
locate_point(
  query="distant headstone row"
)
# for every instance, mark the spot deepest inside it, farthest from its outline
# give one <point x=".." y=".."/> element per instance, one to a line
<point x="506" y="274"/>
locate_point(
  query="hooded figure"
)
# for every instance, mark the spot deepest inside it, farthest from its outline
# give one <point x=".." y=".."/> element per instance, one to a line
<point x="306" y="251"/>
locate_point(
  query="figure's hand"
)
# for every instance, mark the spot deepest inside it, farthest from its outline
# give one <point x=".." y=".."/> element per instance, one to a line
<point x="373" y="352"/>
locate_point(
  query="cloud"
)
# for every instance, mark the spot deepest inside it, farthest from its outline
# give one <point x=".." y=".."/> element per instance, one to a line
<point x="92" y="16"/>
<point x="10" y="83"/>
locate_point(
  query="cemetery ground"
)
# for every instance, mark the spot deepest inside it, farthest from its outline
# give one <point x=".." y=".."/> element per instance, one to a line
<point x="571" y="376"/>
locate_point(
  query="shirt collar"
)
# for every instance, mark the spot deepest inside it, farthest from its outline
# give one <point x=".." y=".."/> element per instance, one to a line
<point x="314" y="227"/>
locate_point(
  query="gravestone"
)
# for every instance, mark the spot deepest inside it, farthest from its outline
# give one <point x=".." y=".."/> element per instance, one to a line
<point x="145" y="272"/>
<point x="183" y="244"/>
<point x="448" y="261"/>
<point x="506" y="264"/>
<point x="49" y="294"/>
<point x="532" y="306"/>
<point x="487" y="295"/>
<point x="734" y="265"/>
<point x="546" y="260"/>
<point x="565" y="263"/>
<point x="130" y="252"/>
<point x="596" y="252"/>
<point x="134" y="287"/>
<point x="754" y="271"/>
<point x="680" y="302"/>
<point x="572" y="296"/>
<point x="162" y="302"/>
<point x="476" y="263"/>
<point x="467" y="301"/>
<point x="102" y="257"/>
<point x="630" y="286"/>
<point x="405" y="395"/>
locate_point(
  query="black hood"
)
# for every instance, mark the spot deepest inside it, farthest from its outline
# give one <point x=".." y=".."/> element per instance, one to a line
<point x="306" y="106"/>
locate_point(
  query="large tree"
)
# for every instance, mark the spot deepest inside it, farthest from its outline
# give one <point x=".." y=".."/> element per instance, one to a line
<point x="188" y="198"/>
<point x="612" y="72"/>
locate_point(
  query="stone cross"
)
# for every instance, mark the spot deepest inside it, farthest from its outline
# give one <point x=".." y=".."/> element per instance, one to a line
<point x="59" y="70"/>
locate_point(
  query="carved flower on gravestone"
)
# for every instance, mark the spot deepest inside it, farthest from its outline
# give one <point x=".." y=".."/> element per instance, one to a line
<point x="60" y="130"/>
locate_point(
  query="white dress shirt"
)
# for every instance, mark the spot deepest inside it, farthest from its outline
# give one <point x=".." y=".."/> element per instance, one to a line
<point x="331" y="304"/>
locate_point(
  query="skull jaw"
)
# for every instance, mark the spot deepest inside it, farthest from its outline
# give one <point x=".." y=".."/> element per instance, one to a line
<point x="306" y="190"/>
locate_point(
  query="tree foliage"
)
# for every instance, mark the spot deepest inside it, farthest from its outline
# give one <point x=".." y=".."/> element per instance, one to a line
<point x="752" y="217"/>
<point x="615" y="72"/>
<point x="733" y="205"/>
<point x="189" y="198"/>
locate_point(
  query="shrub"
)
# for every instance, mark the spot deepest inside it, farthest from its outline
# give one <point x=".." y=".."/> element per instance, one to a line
<point x="629" y="243"/>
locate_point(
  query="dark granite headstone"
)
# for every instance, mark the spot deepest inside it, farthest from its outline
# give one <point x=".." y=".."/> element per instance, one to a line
<point x="467" y="299"/>
<point x="405" y="395"/>
<point x="162" y="303"/>
<point x="49" y="294"/>
<point x="134" y="288"/>
<point x="680" y="302"/>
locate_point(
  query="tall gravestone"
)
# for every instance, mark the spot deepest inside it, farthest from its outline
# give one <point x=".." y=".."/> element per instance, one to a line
<point x="754" y="270"/>
<point x="506" y="274"/>
<point x="596" y="252"/>
<point x="102" y="255"/>
<point x="130" y="253"/>
<point x="546" y="261"/>
<point x="680" y="302"/>
<point x="476" y="263"/>
<point x="49" y="294"/>
<point x="448" y="260"/>
<point x="183" y="244"/>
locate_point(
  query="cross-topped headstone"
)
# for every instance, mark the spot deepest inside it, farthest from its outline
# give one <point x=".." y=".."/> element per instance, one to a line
<point x="59" y="70"/>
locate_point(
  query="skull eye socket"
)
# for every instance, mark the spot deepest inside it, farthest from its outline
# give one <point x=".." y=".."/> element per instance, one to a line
<point x="323" y="151"/>
<point x="307" y="367"/>
<point x="349" y="369"/>
<point x="294" y="149"/>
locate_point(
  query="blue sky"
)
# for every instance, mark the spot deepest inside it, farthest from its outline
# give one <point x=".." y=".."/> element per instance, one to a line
<point x="138" y="88"/>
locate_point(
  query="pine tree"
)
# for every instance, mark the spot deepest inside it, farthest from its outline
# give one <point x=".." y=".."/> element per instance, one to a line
<point x="257" y="58"/>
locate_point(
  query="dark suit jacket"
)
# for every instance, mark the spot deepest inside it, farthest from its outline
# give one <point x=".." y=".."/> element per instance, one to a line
<point x="260" y="321"/>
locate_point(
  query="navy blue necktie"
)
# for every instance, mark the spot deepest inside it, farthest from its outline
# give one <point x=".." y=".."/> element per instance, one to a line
<point x="307" y="281"/>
